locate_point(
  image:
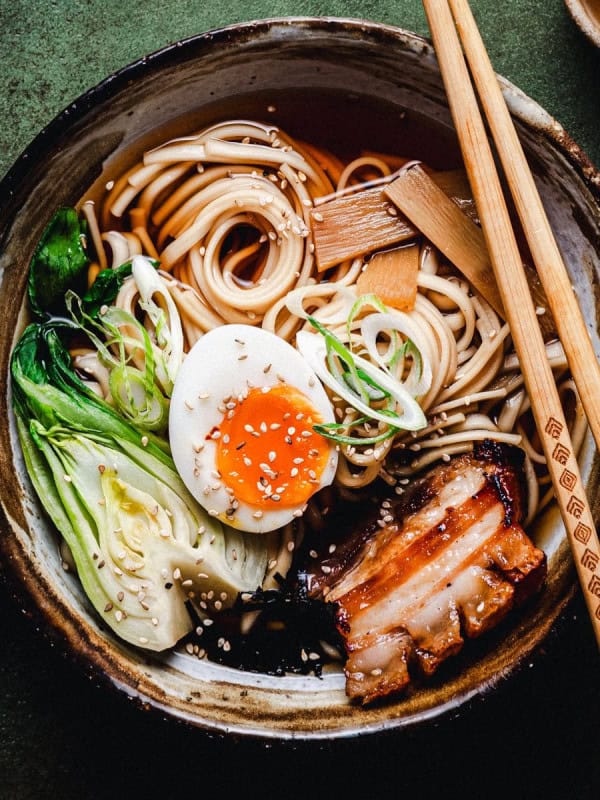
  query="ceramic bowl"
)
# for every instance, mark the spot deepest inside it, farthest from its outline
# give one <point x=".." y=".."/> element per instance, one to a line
<point x="586" y="14"/>
<point x="356" y="65"/>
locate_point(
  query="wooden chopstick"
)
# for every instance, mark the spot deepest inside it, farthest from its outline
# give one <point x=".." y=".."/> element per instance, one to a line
<point x="514" y="291"/>
<point x="570" y="324"/>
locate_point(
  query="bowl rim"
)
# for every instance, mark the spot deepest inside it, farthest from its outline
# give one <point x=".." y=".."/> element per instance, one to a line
<point x="589" y="26"/>
<point x="56" y="625"/>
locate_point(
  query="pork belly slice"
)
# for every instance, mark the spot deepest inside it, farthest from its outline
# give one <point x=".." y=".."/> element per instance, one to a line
<point x="447" y="561"/>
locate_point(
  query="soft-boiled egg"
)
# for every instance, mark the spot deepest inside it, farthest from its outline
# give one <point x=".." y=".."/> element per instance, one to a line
<point x="241" y="428"/>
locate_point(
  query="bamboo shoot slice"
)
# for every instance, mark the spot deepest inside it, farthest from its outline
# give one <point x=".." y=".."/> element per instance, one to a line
<point x="392" y="276"/>
<point x="355" y="224"/>
<point x="452" y="232"/>
<point x="362" y="220"/>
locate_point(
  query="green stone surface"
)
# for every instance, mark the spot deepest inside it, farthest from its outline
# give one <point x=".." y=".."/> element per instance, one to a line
<point x="61" y="735"/>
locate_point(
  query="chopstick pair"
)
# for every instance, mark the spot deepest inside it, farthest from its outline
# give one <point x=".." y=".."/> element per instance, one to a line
<point x="449" y="19"/>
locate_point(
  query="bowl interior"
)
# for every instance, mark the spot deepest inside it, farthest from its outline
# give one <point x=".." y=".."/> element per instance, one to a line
<point x="335" y="82"/>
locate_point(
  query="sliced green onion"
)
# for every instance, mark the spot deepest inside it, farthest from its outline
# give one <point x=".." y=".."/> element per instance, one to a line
<point x="330" y="432"/>
<point x="314" y="350"/>
<point x="149" y="410"/>
<point x="364" y="300"/>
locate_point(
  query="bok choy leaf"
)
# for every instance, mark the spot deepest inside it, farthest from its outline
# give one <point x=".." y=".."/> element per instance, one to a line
<point x="59" y="263"/>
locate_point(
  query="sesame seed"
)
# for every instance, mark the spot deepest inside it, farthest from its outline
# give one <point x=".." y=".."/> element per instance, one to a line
<point x="248" y="428"/>
<point x="67" y="478"/>
<point x="318" y="216"/>
<point x="213" y="513"/>
<point x="188" y="405"/>
<point x="145" y="444"/>
<point x="190" y="648"/>
<point x="176" y="574"/>
<point x="274" y="426"/>
<point x="118" y="615"/>
<point x="272" y="456"/>
<point x="187" y="583"/>
<point x="155" y="621"/>
<point x="257" y="514"/>
<point x="108" y="607"/>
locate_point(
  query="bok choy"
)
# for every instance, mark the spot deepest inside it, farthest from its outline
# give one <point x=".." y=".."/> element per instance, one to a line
<point x="142" y="546"/>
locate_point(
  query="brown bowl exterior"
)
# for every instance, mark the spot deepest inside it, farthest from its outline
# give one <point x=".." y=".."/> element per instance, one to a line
<point x="69" y="156"/>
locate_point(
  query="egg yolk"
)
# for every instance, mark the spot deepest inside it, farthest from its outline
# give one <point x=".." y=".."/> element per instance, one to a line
<point x="267" y="452"/>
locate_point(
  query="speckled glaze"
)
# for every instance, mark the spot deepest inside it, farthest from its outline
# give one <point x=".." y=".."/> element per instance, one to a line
<point x="65" y="159"/>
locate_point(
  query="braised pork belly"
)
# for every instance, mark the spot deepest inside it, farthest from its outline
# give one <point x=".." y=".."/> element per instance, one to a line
<point x="443" y="562"/>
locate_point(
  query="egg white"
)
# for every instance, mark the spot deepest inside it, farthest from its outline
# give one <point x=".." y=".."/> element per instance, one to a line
<point x="227" y="362"/>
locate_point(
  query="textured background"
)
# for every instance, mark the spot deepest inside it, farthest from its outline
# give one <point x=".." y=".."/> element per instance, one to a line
<point x="63" y="736"/>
